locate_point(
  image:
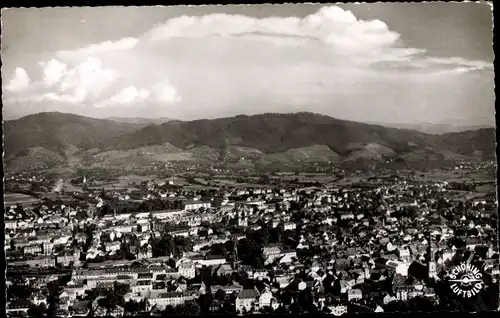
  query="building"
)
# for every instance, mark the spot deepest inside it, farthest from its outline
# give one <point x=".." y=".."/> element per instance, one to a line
<point x="187" y="269"/>
<point x="32" y="249"/>
<point x="224" y="269"/>
<point x="172" y="299"/>
<point x="431" y="265"/>
<point x="354" y="294"/>
<point x="247" y="301"/>
<point x="338" y="310"/>
<point x="141" y="287"/>
<point x="18" y="307"/>
<point x="289" y="226"/>
<point x="10" y="224"/>
<point x="40" y="261"/>
<point x="265" y="298"/>
<point x="210" y="260"/>
<point x="196" y="205"/>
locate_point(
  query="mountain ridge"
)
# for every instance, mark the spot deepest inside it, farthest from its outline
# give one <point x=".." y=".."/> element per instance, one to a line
<point x="434" y="128"/>
<point x="271" y="137"/>
<point x="140" y="120"/>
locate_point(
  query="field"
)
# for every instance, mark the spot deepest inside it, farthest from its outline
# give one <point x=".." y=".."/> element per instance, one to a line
<point x="459" y="175"/>
<point x="15" y="198"/>
<point x="71" y="188"/>
<point x="124" y="182"/>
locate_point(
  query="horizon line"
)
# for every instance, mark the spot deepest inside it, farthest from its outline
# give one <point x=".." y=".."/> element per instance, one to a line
<point x="378" y="123"/>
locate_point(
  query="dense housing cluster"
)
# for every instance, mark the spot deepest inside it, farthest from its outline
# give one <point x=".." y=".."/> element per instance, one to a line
<point x="381" y="243"/>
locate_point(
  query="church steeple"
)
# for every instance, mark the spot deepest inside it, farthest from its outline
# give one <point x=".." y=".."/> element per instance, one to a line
<point x="431" y="262"/>
<point x="235" y="256"/>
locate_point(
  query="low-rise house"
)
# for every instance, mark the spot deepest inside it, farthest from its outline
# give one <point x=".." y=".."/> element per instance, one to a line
<point x="79" y="309"/>
<point x="32" y="249"/>
<point x="209" y="260"/>
<point x="196" y="205"/>
<point x="260" y="274"/>
<point x="289" y="226"/>
<point x="187" y="269"/>
<point x="39" y="261"/>
<point x="223" y="270"/>
<point x="266" y="298"/>
<point x="172" y="298"/>
<point x="233" y="288"/>
<point x="112" y="246"/>
<point x="287" y="256"/>
<point x="141" y="287"/>
<point x="247" y="301"/>
<point x="39" y="299"/>
<point x="338" y="310"/>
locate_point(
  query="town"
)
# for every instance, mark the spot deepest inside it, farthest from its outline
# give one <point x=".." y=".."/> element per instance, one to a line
<point x="279" y="243"/>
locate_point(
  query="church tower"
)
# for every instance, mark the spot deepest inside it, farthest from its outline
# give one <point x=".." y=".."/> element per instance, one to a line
<point x="431" y="262"/>
<point x="235" y="256"/>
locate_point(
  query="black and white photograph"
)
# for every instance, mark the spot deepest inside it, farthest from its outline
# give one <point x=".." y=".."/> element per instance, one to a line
<point x="249" y="159"/>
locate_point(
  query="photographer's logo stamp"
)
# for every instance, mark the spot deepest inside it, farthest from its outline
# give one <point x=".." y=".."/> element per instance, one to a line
<point x="466" y="280"/>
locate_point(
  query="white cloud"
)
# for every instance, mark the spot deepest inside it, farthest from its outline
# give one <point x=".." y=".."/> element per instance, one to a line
<point x="354" y="41"/>
<point x="78" y="96"/>
<point x="455" y="71"/>
<point x="451" y="65"/>
<point x="19" y="81"/>
<point x="80" y="83"/>
<point x="161" y="93"/>
<point x="459" y="61"/>
<point x="127" y="95"/>
<point x="130" y="94"/>
<point x="332" y="25"/>
<point x="164" y="92"/>
<point x="224" y="60"/>
<point x="66" y="98"/>
<point x="107" y="46"/>
<point x="53" y="71"/>
<point x="86" y="80"/>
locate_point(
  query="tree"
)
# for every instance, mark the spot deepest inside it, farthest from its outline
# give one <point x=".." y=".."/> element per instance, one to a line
<point x="218" y="249"/>
<point x="132" y="306"/>
<point x="53" y="288"/>
<point x="296" y="308"/>
<point x="121" y="289"/>
<point x="220" y="295"/>
<point x="144" y="304"/>
<point x="37" y="311"/>
<point x="205" y="301"/>
<point x="396" y="306"/>
<point x="103" y="194"/>
<point x="190" y="308"/>
<point x="261" y="236"/>
<point x="19" y="291"/>
<point x="81" y="215"/>
<point x="306" y="300"/>
<point x="473" y="232"/>
<point x="111" y="301"/>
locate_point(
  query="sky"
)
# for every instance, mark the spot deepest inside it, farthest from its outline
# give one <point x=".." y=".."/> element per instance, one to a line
<point x="380" y="62"/>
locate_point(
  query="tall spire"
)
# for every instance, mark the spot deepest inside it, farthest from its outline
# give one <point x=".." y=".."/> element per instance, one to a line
<point x="471" y="256"/>
<point x="235" y="256"/>
<point x="431" y="263"/>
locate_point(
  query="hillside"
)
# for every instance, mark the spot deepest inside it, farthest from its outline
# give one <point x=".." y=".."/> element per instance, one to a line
<point x="140" y="120"/>
<point x="267" y="139"/>
<point x="435" y="128"/>
<point x="274" y="133"/>
<point x="57" y="131"/>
